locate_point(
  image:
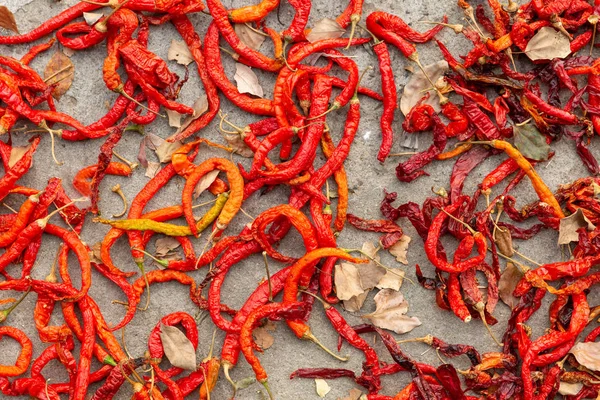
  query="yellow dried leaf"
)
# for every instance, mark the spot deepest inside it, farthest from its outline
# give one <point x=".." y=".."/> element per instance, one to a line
<point x="59" y="73"/>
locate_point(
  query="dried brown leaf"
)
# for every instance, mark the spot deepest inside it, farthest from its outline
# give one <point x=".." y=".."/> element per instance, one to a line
<point x="200" y="106"/>
<point x="247" y="81"/>
<point x="95" y="254"/>
<point x="174" y="118"/>
<point x="179" y="52"/>
<point x="166" y="150"/>
<point x="263" y="338"/>
<point x="347" y="281"/>
<point x="390" y="312"/>
<point x="508" y="282"/>
<point x="355" y="303"/>
<point x="205" y="182"/>
<point x="249" y="37"/>
<point x="587" y="354"/>
<point x="16" y="152"/>
<point x="7" y="20"/>
<point x="503" y="240"/>
<point x="325" y="29"/>
<point x="391" y="280"/>
<point x="547" y="44"/>
<point x="400" y="248"/>
<point x="567" y="232"/>
<point x="179" y="350"/>
<point x="238" y="145"/>
<point x="418" y="84"/>
<point x="59" y="72"/>
<point x="165" y="245"/>
<point x="152" y="169"/>
<point x="353" y="394"/>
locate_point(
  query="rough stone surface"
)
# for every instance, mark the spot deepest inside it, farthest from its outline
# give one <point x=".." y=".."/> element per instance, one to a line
<point x="87" y="100"/>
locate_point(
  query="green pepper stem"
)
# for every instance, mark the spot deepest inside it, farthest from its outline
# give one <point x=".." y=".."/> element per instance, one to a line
<point x="5" y="313"/>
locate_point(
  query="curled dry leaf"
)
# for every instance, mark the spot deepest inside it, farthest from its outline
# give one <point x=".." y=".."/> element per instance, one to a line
<point x="391" y="280"/>
<point x="165" y="245"/>
<point x="166" y="150"/>
<point x="152" y="169"/>
<point x="247" y="81"/>
<point x="200" y="106"/>
<point x="347" y="281"/>
<point x="370" y="273"/>
<point x="531" y="143"/>
<point x="205" y="182"/>
<point x="503" y="240"/>
<point x="508" y="282"/>
<point x="249" y="37"/>
<point x="547" y="44"/>
<point x="325" y="29"/>
<point x="262" y="337"/>
<point x="355" y="303"/>
<point x="353" y="394"/>
<point x="569" y="389"/>
<point x="92" y="18"/>
<point x="179" y="52"/>
<point x="587" y="354"/>
<point x="400" y="248"/>
<point x="418" y="84"/>
<point x="16" y="152"/>
<point x="174" y="118"/>
<point x="322" y="387"/>
<point x="7" y="20"/>
<point x="238" y="145"/>
<point x="95" y="255"/>
<point x="179" y="350"/>
<point x="390" y="312"/>
<point x="59" y="72"/>
<point x="567" y="231"/>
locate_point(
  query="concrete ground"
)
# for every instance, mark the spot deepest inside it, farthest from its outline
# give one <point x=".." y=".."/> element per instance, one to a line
<point x="87" y="99"/>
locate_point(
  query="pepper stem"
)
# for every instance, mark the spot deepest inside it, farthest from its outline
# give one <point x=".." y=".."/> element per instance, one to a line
<point x="223" y="117"/>
<point x="123" y="93"/>
<point x="480" y="308"/>
<point x="415" y="58"/>
<point x="163" y="263"/>
<point x="325" y="305"/>
<point x="132" y="165"/>
<point x="360" y="78"/>
<point x="101" y="26"/>
<point x="117" y="189"/>
<point x="313" y="338"/>
<point x="285" y="44"/>
<point x="354" y="19"/>
<point x="140" y="265"/>
<point x="52" y="132"/>
<point x="457" y="28"/>
<point x="388" y="269"/>
<point x="265" y="383"/>
<point x="511" y="7"/>
<point x="255" y="30"/>
<point x="5" y="313"/>
<point x="459" y="221"/>
<point x="226" y="367"/>
<point x="264" y="254"/>
<point x="334" y="107"/>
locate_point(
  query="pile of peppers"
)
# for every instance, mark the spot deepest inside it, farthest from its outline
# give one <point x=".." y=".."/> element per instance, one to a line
<point x="482" y="100"/>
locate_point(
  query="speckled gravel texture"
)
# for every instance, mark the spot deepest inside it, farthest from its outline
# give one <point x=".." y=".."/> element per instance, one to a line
<point x="87" y="100"/>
